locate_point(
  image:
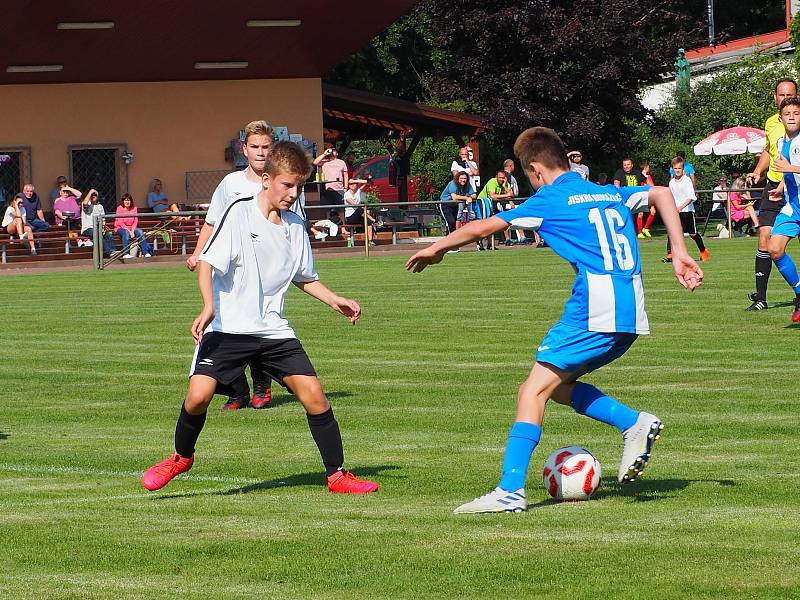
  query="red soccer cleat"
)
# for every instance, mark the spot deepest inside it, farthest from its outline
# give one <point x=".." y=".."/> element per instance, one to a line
<point x="235" y="403"/>
<point x="161" y="474"/>
<point x="262" y="394"/>
<point x="704" y="255"/>
<point x="344" y="482"/>
<point x="796" y="311"/>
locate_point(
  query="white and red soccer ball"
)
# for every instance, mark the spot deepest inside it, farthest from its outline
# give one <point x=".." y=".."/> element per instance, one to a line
<point x="572" y="473"/>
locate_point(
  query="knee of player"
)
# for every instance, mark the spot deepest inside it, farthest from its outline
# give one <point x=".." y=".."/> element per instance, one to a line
<point x="775" y="249"/>
<point x="197" y="402"/>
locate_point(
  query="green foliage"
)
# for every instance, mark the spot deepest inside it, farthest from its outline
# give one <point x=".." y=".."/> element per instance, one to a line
<point x="740" y="94"/>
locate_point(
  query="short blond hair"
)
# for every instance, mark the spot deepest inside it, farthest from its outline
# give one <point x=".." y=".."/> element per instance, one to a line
<point x="257" y="128"/>
<point x="289" y="158"/>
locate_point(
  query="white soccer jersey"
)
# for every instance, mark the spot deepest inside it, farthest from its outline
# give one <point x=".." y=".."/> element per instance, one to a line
<point x="255" y="261"/>
<point x="232" y="187"/>
<point x="682" y="190"/>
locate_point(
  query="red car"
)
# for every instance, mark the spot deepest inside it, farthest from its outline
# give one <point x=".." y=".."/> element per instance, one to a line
<point x="378" y="168"/>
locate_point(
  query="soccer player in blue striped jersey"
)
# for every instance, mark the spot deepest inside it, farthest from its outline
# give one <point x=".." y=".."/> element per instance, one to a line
<point x="591" y="227"/>
<point x="787" y="223"/>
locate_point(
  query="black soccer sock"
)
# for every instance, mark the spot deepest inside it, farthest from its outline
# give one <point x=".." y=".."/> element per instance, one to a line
<point x="187" y="431"/>
<point x="326" y="434"/>
<point x="763" y="269"/>
<point x="669" y="247"/>
<point x="698" y="239"/>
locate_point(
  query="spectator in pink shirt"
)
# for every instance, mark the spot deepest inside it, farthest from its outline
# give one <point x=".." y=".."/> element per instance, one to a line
<point x="65" y="208"/>
<point x="126" y="227"/>
<point x="334" y="173"/>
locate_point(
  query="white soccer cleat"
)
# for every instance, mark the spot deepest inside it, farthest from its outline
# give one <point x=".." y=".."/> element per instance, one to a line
<point x="637" y="445"/>
<point x="498" y="500"/>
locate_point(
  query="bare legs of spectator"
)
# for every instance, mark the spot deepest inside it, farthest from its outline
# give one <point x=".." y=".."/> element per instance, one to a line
<point x="18" y="227"/>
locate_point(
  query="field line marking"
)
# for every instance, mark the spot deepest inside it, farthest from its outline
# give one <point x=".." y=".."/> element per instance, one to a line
<point x="61" y="470"/>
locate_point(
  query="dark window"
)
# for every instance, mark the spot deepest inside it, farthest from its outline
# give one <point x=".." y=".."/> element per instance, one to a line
<point x="379" y="170"/>
<point x="10" y="175"/>
<point x="97" y="168"/>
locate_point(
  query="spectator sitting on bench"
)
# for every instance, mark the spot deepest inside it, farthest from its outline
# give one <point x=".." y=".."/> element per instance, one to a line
<point x="16" y="223"/>
<point x="330" y="227"/>
<point x="33" y="207"/>
<point x="742" y="211"/>
<point x="126" y="227"/>
<point x="157" y="199"/>
<point x="355" y="216"/>
<point x="90" y="206"/>
<point x="65" y="208"/>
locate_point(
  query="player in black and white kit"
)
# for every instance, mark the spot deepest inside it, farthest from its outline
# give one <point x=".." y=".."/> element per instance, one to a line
<point x="258" y="248"/>
<point x="241" y="184"/>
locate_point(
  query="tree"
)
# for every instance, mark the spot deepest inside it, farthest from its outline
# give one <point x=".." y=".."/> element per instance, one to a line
<point x="574" y="66"/>
<point x="740" y="94"/>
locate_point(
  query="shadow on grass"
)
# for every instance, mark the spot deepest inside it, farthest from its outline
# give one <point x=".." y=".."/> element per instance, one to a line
<point x="315" y="479"/>
<point x="4" y="435"/>
<point x="287" y="398"/>
<point x="655" y="489"/>
<point x="643" y="491"/>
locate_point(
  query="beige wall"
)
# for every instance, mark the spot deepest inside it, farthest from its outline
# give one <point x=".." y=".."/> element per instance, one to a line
<point x="171" y="127"/>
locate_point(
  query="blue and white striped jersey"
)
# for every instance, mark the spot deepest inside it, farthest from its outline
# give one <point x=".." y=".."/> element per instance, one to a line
<point x="790" y="150"/>
<point x="591" y="227"/>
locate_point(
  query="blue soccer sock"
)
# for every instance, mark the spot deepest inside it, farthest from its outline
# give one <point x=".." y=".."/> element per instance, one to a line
<point x="789" y="271"/>
<point x="588" y="400"/>
<point x="522" y="440"/>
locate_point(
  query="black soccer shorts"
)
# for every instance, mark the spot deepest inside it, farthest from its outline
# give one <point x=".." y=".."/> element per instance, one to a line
<point x="224" y="357"/>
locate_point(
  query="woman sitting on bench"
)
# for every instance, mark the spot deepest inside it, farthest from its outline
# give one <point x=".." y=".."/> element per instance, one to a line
<point x="15" y="222"/>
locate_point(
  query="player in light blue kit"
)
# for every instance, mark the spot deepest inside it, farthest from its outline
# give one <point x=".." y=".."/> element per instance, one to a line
<point x="592" y="228"/>
<point x="787" y="223"/>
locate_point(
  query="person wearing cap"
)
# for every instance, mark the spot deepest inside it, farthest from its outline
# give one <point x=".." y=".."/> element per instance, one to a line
<point x="354" y="214"/>
<point x="575" y="164"/>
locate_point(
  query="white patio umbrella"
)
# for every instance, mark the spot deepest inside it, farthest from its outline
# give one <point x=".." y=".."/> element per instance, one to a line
<point x="734" y="140"/>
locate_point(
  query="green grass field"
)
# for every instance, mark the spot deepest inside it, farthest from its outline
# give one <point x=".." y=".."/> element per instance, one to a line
<point x="94" y="370"/>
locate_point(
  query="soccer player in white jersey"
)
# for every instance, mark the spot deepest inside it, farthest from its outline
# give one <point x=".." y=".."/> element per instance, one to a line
<point x="241" y="184"/>
<point x="257" y="250"/>
<point x="682" y="190"/>
<point x="787" y="223"/>
<point x="592" y="228"/>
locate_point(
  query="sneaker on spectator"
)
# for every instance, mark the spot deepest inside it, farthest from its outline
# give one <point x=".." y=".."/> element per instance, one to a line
<point x="262" y="394"/>
<point x="159" y="475"/>
<point x="88" y="243"/>
<point x="344" y="482"/>
<point x="34" y="252"/>
<point x="235" y="403"/>
<point x="148" y="255"/>
<point x="80" y="243"/>
<point x="127" y="256"/>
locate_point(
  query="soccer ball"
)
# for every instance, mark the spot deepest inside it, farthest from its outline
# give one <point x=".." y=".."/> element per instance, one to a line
<point x="571" y="473"/>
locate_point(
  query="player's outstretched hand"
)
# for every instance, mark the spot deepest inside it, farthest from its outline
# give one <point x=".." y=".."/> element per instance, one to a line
<point x="201" y="322"/>
<point x="191" y="262"/>
<point x="422" y="259"/>
<point x="349" y="308"/>
<point x="689" y="274"/>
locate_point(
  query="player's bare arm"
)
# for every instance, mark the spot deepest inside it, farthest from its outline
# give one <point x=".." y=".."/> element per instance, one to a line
<point x="687" y="271"/>
<point x="207" y="294"/>
<point x="202" y="240"/>
<point x="472" y="231"/>
<point x="761" y="167"/>
<point x="345" y="306"/>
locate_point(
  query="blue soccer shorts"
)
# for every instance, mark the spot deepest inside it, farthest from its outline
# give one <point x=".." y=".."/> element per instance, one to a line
<point x="786" y="224"/>
<point x="576" y="350"/>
